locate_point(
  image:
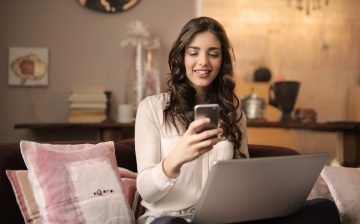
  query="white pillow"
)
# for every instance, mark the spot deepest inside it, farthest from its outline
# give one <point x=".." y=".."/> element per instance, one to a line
<point x="344" y="185"/>
<point x="76" y="183"/>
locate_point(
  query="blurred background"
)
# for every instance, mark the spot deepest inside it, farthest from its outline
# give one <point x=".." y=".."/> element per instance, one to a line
<point x="311" y="41"/>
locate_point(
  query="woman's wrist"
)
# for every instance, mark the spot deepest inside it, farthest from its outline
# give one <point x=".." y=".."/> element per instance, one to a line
<point x="170" y="168"/>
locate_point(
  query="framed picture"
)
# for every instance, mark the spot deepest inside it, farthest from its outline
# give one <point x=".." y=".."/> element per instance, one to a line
<point x="109" y="6"/>
<point x="28" y="66"/>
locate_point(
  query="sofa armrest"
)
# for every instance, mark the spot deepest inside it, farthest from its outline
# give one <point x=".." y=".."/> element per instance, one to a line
<point x="270" y="150"/>
<point x="125" y="154"/>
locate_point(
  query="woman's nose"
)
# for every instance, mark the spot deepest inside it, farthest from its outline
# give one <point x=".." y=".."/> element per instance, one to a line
<point x="203" y="60"/>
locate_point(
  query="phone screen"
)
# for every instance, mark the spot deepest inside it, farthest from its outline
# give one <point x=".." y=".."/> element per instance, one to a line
<point x="210" y="111"/>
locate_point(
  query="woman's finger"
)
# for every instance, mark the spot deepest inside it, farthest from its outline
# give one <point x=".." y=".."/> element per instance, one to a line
<point x="212" y="133"/>
<point x="210" y="142"/>
<point x="197" y="125"/>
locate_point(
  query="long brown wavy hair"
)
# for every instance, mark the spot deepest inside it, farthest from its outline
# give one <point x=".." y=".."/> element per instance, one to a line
<point x="179" y="110"/>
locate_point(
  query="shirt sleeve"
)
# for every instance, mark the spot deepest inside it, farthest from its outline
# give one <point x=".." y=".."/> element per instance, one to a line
<point x="152" y="183"/>
<point x="244" y="143"/>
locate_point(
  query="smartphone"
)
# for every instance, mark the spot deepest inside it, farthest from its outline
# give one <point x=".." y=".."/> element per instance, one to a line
<point x="210" y="111"/>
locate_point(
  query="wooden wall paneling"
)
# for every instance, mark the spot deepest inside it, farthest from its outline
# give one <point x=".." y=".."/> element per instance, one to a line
<point x="322" y="51"/>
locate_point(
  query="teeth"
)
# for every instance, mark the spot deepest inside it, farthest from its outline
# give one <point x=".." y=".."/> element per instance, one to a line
<point x="202" y="72"/>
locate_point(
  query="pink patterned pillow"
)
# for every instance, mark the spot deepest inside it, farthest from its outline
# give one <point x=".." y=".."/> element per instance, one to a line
<point x="76" y="183"/>
<point x="24" y="195"/>
<point x="29" y="209"/>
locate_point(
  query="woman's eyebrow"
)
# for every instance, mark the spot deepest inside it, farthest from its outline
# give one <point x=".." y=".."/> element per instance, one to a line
<point x="198" y="48"/>
<point x="192" y="47"/>
<point x="214" y="48"/>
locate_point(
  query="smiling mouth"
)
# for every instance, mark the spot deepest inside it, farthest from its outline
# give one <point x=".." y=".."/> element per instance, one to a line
<point x="202" y="73"/>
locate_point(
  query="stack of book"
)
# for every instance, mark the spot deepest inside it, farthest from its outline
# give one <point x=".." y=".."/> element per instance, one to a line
<point x="87" y="105"/>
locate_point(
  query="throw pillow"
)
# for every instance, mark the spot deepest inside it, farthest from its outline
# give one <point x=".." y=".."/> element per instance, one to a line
<point x="344" y="184"/>
<point x="76" y="183"/>
<point x="30" y="211"/>
<point x="320" y="190"/>
<point x="24" y="195"/>
<point x="129" y="184"/>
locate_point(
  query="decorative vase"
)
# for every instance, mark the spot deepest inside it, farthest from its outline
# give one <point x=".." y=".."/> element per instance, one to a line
<point x="144" y="76"/>
<point x="285" y="94"/>
<point x="144" y="79"/>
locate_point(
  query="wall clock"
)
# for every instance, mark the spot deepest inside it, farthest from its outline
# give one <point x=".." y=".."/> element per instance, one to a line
<point x="109" y="6"/>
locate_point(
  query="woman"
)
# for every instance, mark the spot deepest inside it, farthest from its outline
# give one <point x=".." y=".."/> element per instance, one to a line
<point x="173" y="158"/>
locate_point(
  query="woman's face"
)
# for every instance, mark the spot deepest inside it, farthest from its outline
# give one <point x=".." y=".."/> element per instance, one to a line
<point x="203" y="59"/>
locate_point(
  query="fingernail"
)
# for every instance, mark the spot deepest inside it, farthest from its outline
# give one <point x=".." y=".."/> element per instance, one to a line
<point x="222" y="138"/>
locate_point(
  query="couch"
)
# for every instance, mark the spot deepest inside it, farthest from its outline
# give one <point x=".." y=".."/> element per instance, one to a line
<point x="10" y="158"/>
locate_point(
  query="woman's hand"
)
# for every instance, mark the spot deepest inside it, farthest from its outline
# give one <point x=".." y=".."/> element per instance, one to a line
<point x="191" y="146"/>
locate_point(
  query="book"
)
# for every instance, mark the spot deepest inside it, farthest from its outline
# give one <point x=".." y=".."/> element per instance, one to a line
<point x="92" y="97"/>
<point x="87" y="105"/>
<point x="86" y="118"/>
<point x="80" y="112"/>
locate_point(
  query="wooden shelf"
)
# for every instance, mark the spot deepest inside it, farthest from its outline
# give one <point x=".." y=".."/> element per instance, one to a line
<point x="72" y="125"/>
<point x="336" y="126"/>
<point x="104" y="131"/>
<point x="348" y="133"/>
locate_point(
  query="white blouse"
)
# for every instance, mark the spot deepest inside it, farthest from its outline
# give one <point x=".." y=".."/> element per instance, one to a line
<point x="153" y="141"/>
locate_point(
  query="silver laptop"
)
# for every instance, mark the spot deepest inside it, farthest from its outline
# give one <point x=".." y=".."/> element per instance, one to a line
<point x="258" y="188"/>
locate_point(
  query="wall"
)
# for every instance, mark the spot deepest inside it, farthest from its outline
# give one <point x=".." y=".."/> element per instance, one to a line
<point x="84" y="51"/>
<point x="321" y="50"/>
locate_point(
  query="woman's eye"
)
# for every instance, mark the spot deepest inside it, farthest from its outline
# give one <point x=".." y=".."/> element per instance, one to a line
<point x="214" y="55"/>
<point x="192" y="53"/>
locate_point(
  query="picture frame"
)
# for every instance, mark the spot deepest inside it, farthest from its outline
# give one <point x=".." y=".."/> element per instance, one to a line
<point x="28" y="66"/>
<point x="109" y="6"/>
